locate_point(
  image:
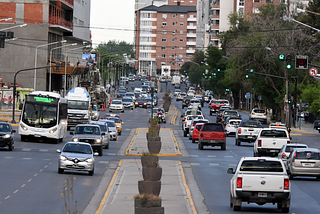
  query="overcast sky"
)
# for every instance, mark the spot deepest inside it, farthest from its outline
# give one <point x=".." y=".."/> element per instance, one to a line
<point x="109" y="14"/>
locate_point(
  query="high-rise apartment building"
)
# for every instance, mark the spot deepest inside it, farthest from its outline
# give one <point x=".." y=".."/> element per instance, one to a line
<point x="48" y="21"/>
<point x="165" y="36"/>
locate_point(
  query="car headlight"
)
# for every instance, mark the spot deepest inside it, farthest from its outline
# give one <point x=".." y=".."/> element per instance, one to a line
<point x="75" y="139"/>
<point x="118" y="126"/>
<point x="96" y="114"/>
<point x="23" y="127"/>
<point x="64" y="122"/>
<point x="89" y="160"/>
<point x="63" y="158"/>
<point x="7" y="136"/>
<point x="53" y="130"/>
<point x="144" y="103"/>
<point x="136" y="103"/>
<point x="86" y="116"/>
<point x="98" y="140"/>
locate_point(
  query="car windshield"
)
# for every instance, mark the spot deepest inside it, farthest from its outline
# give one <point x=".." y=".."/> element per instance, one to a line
<point x="118" y="102"/>
<point x="149" y="99"/>
<point x="145" y="86"/>
<point x="230" y="113"/>
<point x="103" y="127"/>
<point x="234" y="122"/>
<point x="177" y="90"/>
<point x="182" y="94"/>
<point x="194" y="117"/>
<point x="127" y="100"/>
<point x="77" y="104"/>
<point x="195" y="101"/>
<point x="198" y="127"/>
<point x="77" y="148"/>
<point x="4" y="128"/>
<point x="130" y="94"/>
<point x="273" y="133"/>
<point x="289" y="147"/>
<point x="307" y="155"/>
<point x="123" y="91"/>
<point x="211" y="127"/>
<point x="261" y="166"/>
<point x="261" y="111"/>
<point x="87" y="130"/>
<point x="141" y="100"/>
<point x="111" y="124"/>
<point x="217" y="102"/>
<point x="116" y="120"/>
<point x="251" y="123"/>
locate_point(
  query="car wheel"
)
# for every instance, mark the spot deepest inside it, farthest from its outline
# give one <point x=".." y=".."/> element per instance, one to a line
<point x="122" y="111"/>
<point x="290" y="175"/>
<point x="110" y="111"/>
<point x="193" y="141"/>
<point x="256" y="155"/>
<point x="91" y="172"/>
<point x="60" y="170"/>
<point x="210" y="113"/>
<point x="68" y="128"/>
<point x="231" y="201"/>
<point x="61" y="139"/>
<point x="285" y="209"/>
<point x="132" y="108"/>
<point x="223" y="147"/>
<point x="235" y="208"/>
<point x="200" y="146"/>
<point x="135" y="107"/>
<point x="119" y="133"/>
<point x="10" y="146"/>
<point x="100" y="151"/>
<point x="184" y="133"/>
<point x="190" y="137"/>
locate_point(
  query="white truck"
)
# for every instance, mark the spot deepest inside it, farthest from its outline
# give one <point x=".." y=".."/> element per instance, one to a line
<point x="260" y="181"/>
<point x="78" y="106"/>
<point x="175" y="79"/>
<point x="187" y="123"/>
<point x="270" y="141"/>
<point x="248" y="131"/>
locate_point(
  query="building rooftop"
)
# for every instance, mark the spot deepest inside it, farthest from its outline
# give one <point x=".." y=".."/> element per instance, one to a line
<point x="170" y="8"/>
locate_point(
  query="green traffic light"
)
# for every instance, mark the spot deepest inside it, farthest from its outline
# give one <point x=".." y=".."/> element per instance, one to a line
<point x="203" y="74"/>
<point x="205" y="77"/>
<point x="251" y="70"/>
<point x="288" y="66"/>
<point x="247" y="76"/>
<point x="218" y="69"/>
<point x="214" y="74"/>
<point x="281" y="56"/>
<point x="210" y="77"/>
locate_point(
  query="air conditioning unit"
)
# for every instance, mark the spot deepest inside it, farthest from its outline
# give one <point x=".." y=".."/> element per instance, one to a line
<point x="162" y="25"/>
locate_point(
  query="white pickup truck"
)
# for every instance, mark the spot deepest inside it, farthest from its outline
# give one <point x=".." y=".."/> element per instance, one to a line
<point x="270" y="141"/>
<point x="261" y="181"/>
<point x="248" y="131"/>
<point x="187" y="123"/>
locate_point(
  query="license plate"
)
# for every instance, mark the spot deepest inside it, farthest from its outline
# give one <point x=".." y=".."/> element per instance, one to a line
<point x="308" y="164"/>
<point x="272" y="150"/>
<point x="37" y="135"/>
<point x="211" y="141"/>
<point x="262" y="194"/>
<point x="249" y="136"/>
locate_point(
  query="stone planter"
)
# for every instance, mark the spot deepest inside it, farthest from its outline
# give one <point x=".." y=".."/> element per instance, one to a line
<point x="149" y="187"/>
<point x="149" y="160"/>
<point x="149" y="210"/>
<point x="154" y="147"/>
<point x="152" y="173"/>
<point x="144" y="202"/>
<point x="153" y="138"/>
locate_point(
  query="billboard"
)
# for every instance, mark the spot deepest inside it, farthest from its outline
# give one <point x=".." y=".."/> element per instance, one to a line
<point x="88" y="60"/>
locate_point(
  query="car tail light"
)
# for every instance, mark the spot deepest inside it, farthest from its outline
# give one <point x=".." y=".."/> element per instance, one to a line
<point x="295" y="154"/>
<point x="259" y="143"/>
<point x="229" y="124"/>
<point x="252" y="113"/>
<point x="184" y="119"/>
<point x="286" y="184"/>
<point x="185" y="123"/>
<point x="239" y="182"/>
<point x="288" y="142"/>
<point x="201" y="135"/>
<point x="239" y="131"/>
<point x="283" y="155"/>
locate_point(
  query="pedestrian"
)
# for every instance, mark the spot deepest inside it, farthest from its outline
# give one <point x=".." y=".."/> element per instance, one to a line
<point x="306" y="116"/>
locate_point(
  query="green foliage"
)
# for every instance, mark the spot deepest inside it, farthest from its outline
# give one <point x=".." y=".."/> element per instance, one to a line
<point x="310" y="94"/>
<point x="117" y="47"/>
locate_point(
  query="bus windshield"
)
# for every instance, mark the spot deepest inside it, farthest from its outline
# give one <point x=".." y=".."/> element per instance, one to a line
<point x="78" y="104"/>
<point x="40" y="114"/>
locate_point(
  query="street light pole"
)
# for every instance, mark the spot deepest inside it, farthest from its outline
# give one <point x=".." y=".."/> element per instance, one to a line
<point x="73" y="44"/>
<point x="35" y="61"/>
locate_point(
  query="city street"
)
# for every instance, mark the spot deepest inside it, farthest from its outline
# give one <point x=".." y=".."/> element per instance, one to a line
<point x="30" y="182"/>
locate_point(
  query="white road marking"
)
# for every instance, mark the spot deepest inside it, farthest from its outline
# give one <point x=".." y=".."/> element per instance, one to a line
<point x="127" y="129"/>
<point x="45" y="166"/>
<point x="232" y="164"/>
<point x="195" y="164"/>
<point x="41" y="170"/>
<point x="26" y="158"/>
<point x="29" y="180"/>
<point x="111" y="154"/>
<point x="213" y="164"/>
<point x="8" y="157"/>
<point x="35" y="175"/>
<point x="105" y="162"/>
<point x="43" y="150"/>
<point x="228" y="156"/>
<point x="194" y="156"/>
<point x="7" y="197"/>
<point x="22" y="185"/>
<point x="46" y="159"/>
<point x="27" y="150"/>
<point x="211" y="156"/>
<point x="16" y="191"/>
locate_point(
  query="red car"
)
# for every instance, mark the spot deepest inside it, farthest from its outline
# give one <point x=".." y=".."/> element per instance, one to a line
<point x="212" y="134"/>
<point x="215" y="106"/>
<point x="141" y="102"/>
<point x="196" y="132"/>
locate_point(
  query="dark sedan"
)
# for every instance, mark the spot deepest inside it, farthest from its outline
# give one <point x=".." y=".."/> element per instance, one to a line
<point x="141" y="102"/>
<point x="6" y="135"/>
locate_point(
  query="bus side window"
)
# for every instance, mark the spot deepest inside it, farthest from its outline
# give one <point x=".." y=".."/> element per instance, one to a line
<point x="63" y="111"/>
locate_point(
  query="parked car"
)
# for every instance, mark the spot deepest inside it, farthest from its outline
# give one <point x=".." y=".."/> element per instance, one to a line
<point x="76" y="156"/>
<point x="304" y="162"/>
<point x="6" y="135"/>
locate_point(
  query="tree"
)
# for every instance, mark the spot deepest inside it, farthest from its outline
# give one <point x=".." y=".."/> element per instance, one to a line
<point x="117" y="47"/>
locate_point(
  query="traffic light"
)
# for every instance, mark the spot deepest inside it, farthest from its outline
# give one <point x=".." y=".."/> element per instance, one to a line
<point x="218" y="69"/>
<point x="251" y="70"/>
<point x="288" y="59"/>
<point x="281" y="57"/>
<point x="227" y="89"/>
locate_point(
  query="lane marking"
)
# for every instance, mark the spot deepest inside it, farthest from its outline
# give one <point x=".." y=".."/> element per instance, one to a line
<point x="7" y="197"/>
<point x="194" y="156"/>
<point x="29" y="180"/>
<point x="16" y="191"/>
<point x="211" y="156"/>
<point x="43" y="150"/>
<point x="22" y="185"/>
<point x="26" y="150"/>
<point x="26" y="158"/>
<point x="111" y="154"/>
<point x="232" y="164"/>
<point x="189" y="196"/>
<point x="105" y="162"/>
<point x="195" y="164"/>
<point x="213" y="164"/>
<point x="109" y="188"/>
<point x="8" y="157"/>
<point x="40" y="170"/>
<point x="228" y="156"/>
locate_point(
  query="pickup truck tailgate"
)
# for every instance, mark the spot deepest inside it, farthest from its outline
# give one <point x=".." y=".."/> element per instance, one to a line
<point x="260" y="182"/>
<point x="213" y="135"/>
<point x="273" y="143"/>
<point x="250" y="131"/>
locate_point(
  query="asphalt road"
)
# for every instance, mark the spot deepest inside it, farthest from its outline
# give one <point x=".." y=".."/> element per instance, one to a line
<point x="30" y="183"/>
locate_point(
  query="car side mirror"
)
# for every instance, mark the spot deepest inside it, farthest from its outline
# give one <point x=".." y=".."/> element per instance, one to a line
<point x="58" y="151"/>
<point x="95" y="154"/>
<point x="71" y="133"/>
<point x="230" y="171"/>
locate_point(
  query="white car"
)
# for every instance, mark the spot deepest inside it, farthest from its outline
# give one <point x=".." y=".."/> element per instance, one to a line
<point x="112" y="128"/>
<point x="176" y="92"/>
<point x="232" y="126"/>
<point x="259" y="114"/>
<point x="116" y="105"/>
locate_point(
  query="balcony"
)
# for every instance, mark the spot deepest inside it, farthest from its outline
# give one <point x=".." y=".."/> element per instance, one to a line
<point x="191" y="51"/>
<point x="65" y="4"/>
<point x="191" y="27"/>
<point x="215" y="4"/>
<point x="60" y="23"/>
<point x="214" y="16"/>
<point x="214" y="27"/>
<point x="193" y="35"/>
<point x="191" y="19"/>
<point x="191" y="43"/>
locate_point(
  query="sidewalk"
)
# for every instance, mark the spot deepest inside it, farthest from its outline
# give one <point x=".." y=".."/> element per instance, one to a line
<point x="121" y="186"/>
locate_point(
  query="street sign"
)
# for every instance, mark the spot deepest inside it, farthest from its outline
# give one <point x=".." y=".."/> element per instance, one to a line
<point x="313" y="72"/>
<point x="248" y="95"/>
<point x="304" y="104"/>
<point x="301" y="62"/>
<point x="259" y="97"/>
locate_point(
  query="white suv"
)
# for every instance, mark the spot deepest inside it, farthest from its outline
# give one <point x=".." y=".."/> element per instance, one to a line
<point x="116" y="105"/>
<point x="259" y="114"/>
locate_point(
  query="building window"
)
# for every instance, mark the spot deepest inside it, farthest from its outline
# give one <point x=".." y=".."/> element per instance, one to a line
<point x="173" y="39"/>
<point x="180" y="64"/>
<point x="180" y="56"/>
<point x="164" y="24"/>
<point x="174" y="15"/>
<point x="255" y="10"/>
<point x="163" y="48"/>
<point x="172" y="56"/>
<point x="181" y="40"/>
<point x="163" y="63"/>
<point x="163" y="39"/>
<point x="181" y="23"/>
<point x="173" y="32"/>
<point x="172" y="63"/>
<point x="164" y="16"/>
<point x="173" y="23"/>
<point x="75" y="20"/>
<point x="241" y="10"/>
<point x="241" y="3"/>
<point x="164" y="32"/>
<point x="180" y="48"/>
<point x="181" y="31"/>
<point x="256" y="0"/>
<point x="268" y="1"/>
<point x="173" y="47"/>
<point x="163" y="56"/>
<point x="181" y="16"/>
